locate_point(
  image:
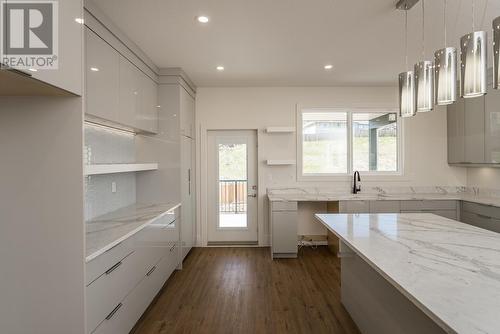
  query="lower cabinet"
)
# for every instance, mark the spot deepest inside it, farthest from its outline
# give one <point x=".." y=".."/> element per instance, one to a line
<point x="283" y="222"/>
<point x="119" y="289"/>
<point x="125" y="314"/>
<point x="483" y="216"/>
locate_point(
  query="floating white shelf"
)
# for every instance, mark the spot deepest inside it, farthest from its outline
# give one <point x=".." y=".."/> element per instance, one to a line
<point x="280" y="129"/>
<point x="280" y="162"/>
<point x="118" y="168"/>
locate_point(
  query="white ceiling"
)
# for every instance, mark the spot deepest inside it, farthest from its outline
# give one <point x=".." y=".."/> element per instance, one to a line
<point x="287" y="42"/>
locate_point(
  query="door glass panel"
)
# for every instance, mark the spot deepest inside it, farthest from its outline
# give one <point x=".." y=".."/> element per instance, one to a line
<point x="232" y="185"/>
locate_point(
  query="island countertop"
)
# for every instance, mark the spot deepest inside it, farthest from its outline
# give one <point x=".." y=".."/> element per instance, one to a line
<point x="448" y="269"/>
<point x="106" y="231"/>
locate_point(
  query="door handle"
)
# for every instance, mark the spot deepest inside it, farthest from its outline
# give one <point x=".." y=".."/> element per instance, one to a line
<point x="252" y="195"/>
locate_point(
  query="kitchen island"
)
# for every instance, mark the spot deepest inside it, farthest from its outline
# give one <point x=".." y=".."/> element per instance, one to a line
<point x="417" y="273"/>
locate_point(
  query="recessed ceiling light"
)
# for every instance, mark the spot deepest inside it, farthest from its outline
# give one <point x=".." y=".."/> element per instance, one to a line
<point x="94" y="69"/>
<point x="328" y="67"/>
<point x="220" y="68"/>
<point x="202" y="19"/>
<point x="79" y="20"/>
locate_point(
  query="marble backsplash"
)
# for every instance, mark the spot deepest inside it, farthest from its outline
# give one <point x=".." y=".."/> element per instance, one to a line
<point x="442" y="190"/>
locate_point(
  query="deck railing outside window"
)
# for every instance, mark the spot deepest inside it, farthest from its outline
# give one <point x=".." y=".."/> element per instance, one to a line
<point x="233" y="196"/>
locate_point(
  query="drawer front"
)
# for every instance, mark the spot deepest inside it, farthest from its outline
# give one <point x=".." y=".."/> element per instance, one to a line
<point x="385" y="207"/>
<point x="485" y="210"/>
<point x="428" y="205"/>
<point x="109" y="289"/>
<point x="100" y="264"/>
<point x="284" y="206"/>
<point x="451" y="214"/>
<point x="284" y="232"/>
<point x="481" y="221"/>
<point x="354" y="207"/>
<point x="133" y="306"/>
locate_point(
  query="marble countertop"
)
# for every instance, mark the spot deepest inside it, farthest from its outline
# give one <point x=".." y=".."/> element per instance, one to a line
<point x="106" y="231"/>
<point x="448" y="269"/>
<point x="325" y="196"/>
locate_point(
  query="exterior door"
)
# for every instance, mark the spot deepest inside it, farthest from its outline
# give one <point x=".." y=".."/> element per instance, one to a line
<point x="232" y="187"/>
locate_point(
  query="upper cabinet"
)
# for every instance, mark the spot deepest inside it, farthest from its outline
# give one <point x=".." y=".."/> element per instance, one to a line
<point x="67" y="79"/>
<point x="474" y="130"/>
<point x="492" y="127"/>
<point x="187" y="114"/>
<point x="117" y="91"/>
<point x="101" y="78"/>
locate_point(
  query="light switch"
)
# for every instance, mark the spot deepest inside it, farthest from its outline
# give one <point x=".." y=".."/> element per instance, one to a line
<point x="113" y="187"/>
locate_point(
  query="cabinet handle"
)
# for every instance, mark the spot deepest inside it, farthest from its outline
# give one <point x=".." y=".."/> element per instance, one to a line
<point x="483" y="216"/>
<point x="114" y="311"/>
<point x="151" y="271"/>
<point x="172" y="248"/>
<point x="113" y="268"/>
<point x="189" y="181"/>
<point x="171" y="223"/>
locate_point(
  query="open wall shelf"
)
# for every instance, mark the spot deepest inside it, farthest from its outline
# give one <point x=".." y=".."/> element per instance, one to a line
<point x="280" y="162"/>
<point x="100" y="169"/>
<point x="280" y="129"/>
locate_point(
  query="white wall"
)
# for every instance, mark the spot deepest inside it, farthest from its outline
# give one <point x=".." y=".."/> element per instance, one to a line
<point x="425" y="148"/>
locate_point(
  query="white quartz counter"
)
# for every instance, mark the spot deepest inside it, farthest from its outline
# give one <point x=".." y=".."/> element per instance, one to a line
<point x="106" y="231"/>
<point x="448" y="269"/>
<point x="326" y="197"/>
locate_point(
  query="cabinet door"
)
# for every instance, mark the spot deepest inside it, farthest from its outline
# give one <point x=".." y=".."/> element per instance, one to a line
<point x="129" y="93"/>
<point x="68" y="76"/>
<point x="284" y="232"/>
<point x="474" y="130"/>
<point x="354" y="207"/>
<point x="456" y="131"/>
<point x="492" y="126"/>
<point x="187" y="196"/>
<point x="147" y="116"/>
<point x="187" y="114"/>
<point x="102" y="77"/>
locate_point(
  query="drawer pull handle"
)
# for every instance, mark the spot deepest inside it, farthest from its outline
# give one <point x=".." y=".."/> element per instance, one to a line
<point x="151" y="271"/>
<point x="113" y="268"/>
<point x="172" y="248"/>
<point x="171" y="223"/>
<point x="483" y="216"/>
<point x="114" y="311"/>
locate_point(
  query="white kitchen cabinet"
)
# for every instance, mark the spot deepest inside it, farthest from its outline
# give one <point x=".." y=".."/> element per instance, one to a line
<point x="354" y="207"/>
<point x="456" y="130"/>
<point x="146" y="117"/>
<point x="101" y="78"/>
<point x="492" y="126"/>
<point x="187" y="114"/>
<point x="70" y="59"/>
<point x="187" y="195"/>
<point x="130" y="93"/>
<point x="474" y="130"/>
<point x="284" y="229"/>
<point x="123" y="316"/>
<point x="385" y="207"/>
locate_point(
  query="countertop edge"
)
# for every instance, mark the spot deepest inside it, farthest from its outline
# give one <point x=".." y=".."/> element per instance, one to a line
<point x="104" y="249"/>
<point x="391" y="281"/>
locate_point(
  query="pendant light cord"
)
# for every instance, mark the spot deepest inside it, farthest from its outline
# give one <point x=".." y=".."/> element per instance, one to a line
<point x="423" y="28"/>
<point x="444" y="20"/>
<point x="406" y="38"/>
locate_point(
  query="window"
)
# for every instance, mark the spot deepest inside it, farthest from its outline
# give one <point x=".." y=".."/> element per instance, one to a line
<point x="338" y="142"/>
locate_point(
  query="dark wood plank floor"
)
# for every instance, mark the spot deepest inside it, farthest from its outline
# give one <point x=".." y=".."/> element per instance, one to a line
<point x="241" y="290"/>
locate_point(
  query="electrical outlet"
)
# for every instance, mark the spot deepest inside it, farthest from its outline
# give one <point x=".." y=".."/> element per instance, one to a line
<point x="113" y="187"/>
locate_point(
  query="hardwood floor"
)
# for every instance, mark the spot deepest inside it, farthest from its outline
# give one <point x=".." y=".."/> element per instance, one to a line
<point x="241" y="290"/>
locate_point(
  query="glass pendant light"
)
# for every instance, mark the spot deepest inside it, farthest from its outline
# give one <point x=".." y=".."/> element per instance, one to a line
<point x="473" y="62"/>
<point x="406" y="82"/>
<point x="424" y="77"/>
<point x="496" y="53"/>
<point x="445" y="72"/>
